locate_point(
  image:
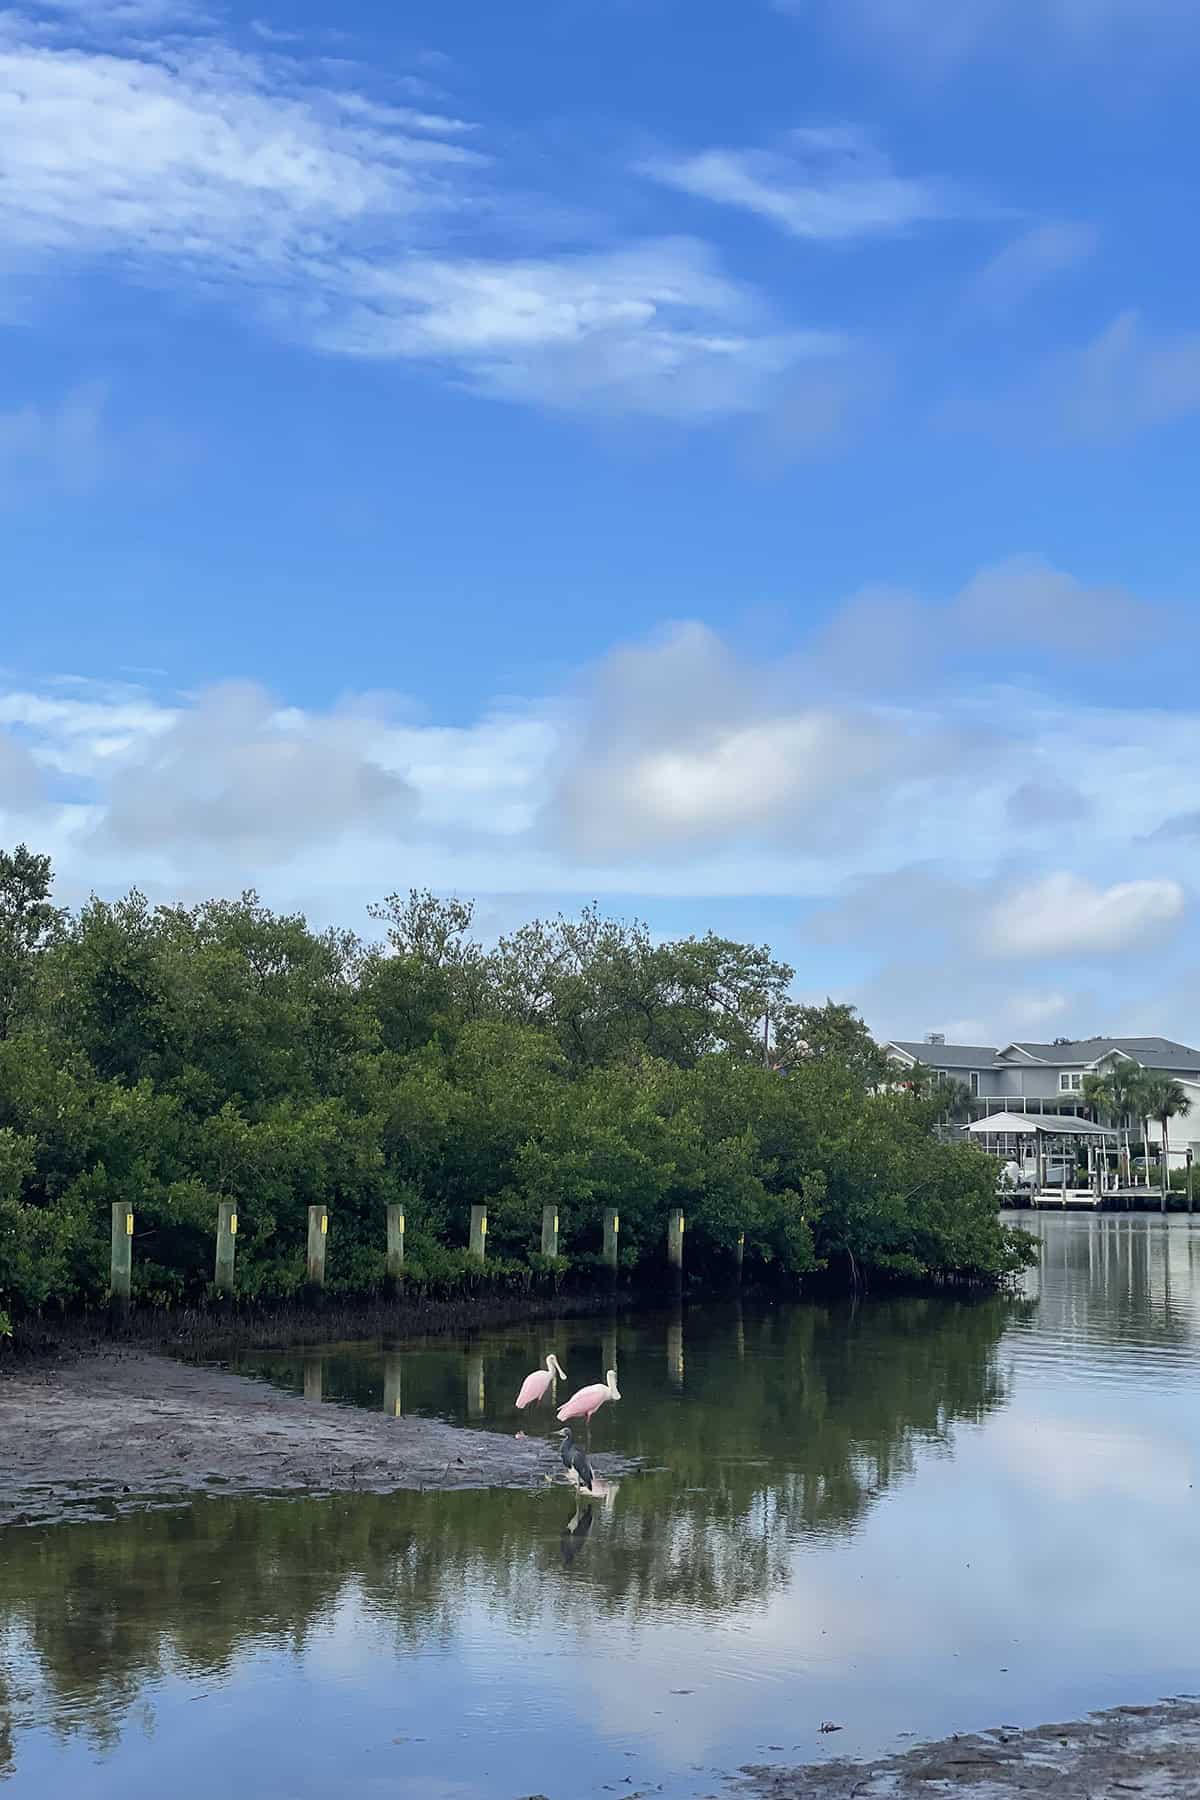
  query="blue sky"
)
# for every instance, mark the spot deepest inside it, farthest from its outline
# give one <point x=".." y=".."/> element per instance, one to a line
<point x="735" y="461"/>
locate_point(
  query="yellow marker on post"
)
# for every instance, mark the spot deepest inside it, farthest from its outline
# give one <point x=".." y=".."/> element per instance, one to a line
<point x="478" y="1237"/>
<point x="128" y="1224"/>
<point x="318" y="1228"/>
<point x="226" y="1236"/>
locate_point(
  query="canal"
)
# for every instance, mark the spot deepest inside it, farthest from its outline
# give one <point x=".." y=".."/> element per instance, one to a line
<point x="901" y="1518"/>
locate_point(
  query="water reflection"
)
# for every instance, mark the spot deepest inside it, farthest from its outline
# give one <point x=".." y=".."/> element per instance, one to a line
<point x="575" y="1531"/>
<point x="865" y="1513"/>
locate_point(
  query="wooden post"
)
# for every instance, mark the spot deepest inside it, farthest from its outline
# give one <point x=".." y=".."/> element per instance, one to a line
<point x="550" y="1229"/>
<point x="1189" y="1179"/>
<point x="226" y="1245"/>
<point x="318" y="1237"/>
<point x="475" y="1385"/>
<point x="393" y="1367"/>
<point x="395" y="1248"/>
<point x="478" y="1244"/>
<point x="675" y="1244"/>
<point x="739" y="1256"/>
<point x="612" y="1228"/>
<point x="120" y="1284"/>
<point x="313" y="1378"/>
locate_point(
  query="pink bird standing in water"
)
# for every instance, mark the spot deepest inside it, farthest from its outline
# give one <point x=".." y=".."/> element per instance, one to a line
<point x="534" y="1386"/>
<point x="590" y="1399"/>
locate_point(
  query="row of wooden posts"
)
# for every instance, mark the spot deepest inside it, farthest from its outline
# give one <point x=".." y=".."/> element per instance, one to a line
<point x="318" y="1238"/>
<point x="476" y="1379"/>
<point x="476" y="1376"/>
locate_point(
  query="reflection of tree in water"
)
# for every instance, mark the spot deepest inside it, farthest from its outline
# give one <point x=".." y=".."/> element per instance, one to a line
<point x="795" y="1438"/>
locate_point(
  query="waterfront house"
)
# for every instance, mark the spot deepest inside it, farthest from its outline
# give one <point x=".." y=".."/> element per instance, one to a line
<point x="1036" y="1079"/>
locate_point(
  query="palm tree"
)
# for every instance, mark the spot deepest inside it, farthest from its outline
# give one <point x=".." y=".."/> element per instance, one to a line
<point x="1118" y="1094"/>
<point x="1163" y="1098"/>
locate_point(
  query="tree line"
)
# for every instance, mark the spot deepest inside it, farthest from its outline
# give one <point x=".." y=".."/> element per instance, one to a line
<point x="176" y="1056"/>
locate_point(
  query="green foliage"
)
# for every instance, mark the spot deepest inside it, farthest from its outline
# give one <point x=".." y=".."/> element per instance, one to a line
<point x="174" y="1057"/>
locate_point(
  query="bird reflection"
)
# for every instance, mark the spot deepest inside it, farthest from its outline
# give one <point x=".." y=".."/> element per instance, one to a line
<point x="575" y="1531"/>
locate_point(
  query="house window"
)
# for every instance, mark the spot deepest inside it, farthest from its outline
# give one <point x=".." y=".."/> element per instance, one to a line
<point x="974" y="1084"/>
<point x="1070" y="1083"/>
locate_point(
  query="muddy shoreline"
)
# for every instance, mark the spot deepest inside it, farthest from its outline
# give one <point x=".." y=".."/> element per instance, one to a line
<point x="95" y="1436"/>
<point x="1148" y="1750"/>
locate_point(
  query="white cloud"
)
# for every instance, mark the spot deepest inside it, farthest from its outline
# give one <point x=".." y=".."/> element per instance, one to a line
<point x="679" y="746"/>
<point x="1065" y="915"/>
<point x="1127" y="381"/>
<point x="197" y="156"/>
<point x="64" y="444"/>
<point x="1037" y="256"/>
<point x="1048" y="609"/>
<point x="242" y="177"/>
<point x="236" y="774"/>
<point x="892" y="639"/>
<point x="831" y="185"/>
<point x="654" y="328"/>
<point x="22" y="785"/>
<point x="918" y="816"/>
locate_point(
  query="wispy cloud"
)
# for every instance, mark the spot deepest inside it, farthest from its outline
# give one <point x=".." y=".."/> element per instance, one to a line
<point x="63" y="445"/>
<point x="341" y="215"/>
<point x="1128" y="380"/>
<point x="938" y="37"/>
<point x="1031" y="260"/>
<point x="831" y="185"/>
<point x="655" y="328"/>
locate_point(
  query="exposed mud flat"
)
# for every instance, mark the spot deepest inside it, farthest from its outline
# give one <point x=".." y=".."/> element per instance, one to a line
<point x="101" y="1435"/>
<point x="1149" y="1750"/>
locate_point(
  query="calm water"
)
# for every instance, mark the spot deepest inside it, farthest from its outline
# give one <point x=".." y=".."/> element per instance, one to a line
<point x="913" y="1516"/>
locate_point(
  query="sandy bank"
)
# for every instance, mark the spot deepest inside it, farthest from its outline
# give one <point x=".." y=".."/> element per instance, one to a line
<point x="1149" y="1750"/>
<point x="110" y="1434"/>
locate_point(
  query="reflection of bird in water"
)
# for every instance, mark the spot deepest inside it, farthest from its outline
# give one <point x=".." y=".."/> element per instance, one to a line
<point x="575" y="1531"/>
<point x="534" y="1386"/>
<point x="575" y="1462"/>
<point x="588" y="1400"/>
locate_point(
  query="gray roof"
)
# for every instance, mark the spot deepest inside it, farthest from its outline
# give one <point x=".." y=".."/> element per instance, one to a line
<point x="1151" y="1052"/>
<point x="1045" y="1125"/>
<point x="951" y="1056"/>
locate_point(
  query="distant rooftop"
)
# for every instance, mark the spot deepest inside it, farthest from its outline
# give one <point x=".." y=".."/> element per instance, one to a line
<point x="950" y="1056"/>
<point x="1152" y="1052"/>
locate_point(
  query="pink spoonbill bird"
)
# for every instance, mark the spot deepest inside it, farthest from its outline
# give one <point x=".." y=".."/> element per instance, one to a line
<point x="534" y="1386"/>
<point x="588" y="1400"/>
